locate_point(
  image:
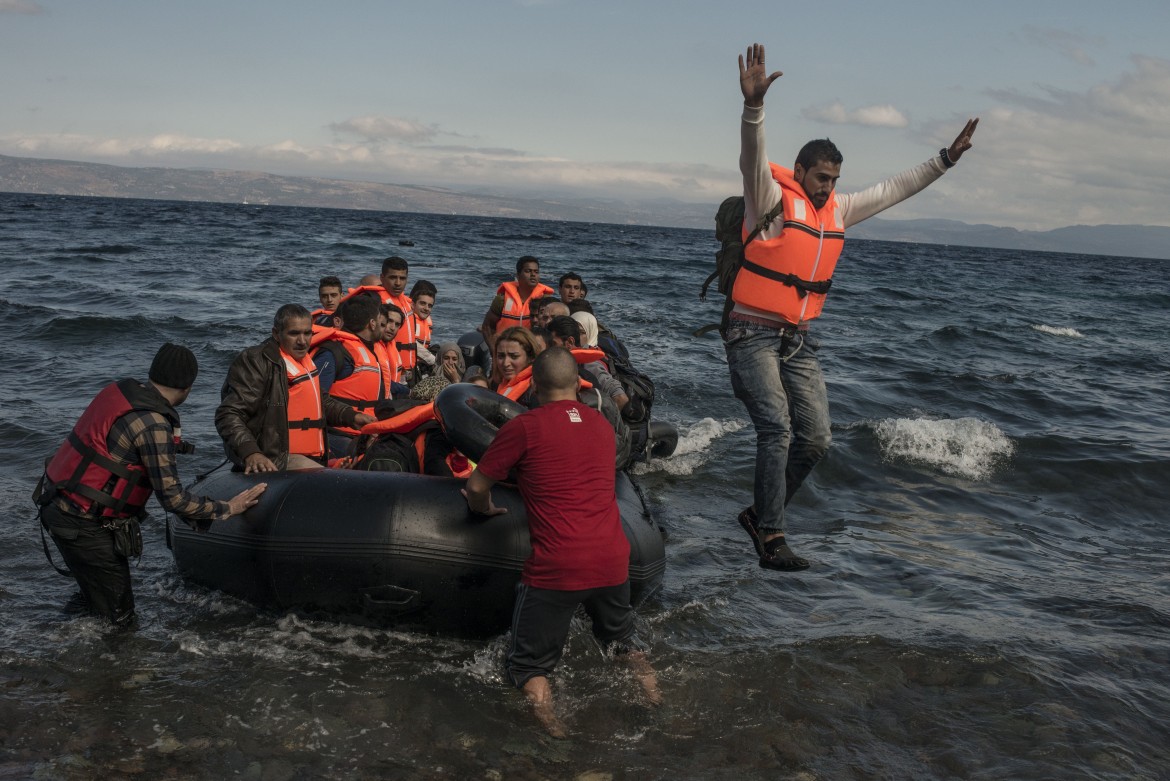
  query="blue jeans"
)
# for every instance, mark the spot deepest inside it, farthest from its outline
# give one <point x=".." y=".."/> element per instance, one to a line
<point x="777" y="376"/>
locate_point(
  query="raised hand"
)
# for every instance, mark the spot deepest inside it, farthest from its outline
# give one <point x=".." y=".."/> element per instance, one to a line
<point x="963" y="141"/>
<point x="754" y="79"/>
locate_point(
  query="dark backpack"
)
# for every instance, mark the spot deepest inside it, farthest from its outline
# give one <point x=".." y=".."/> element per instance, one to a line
<point x="729" y="257"/>
<point x="637" y="386"/>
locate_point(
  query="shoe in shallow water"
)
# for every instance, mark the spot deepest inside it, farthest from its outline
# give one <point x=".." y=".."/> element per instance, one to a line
<point x="777" y="555"/>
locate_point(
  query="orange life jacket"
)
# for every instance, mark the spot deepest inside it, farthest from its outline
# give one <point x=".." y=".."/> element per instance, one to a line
<point x="393" y="364"/>
<point x="516" y="308"/>
<point x="403" y="422"/>
<point x="322" y="318"/>
<point x="410" y="420"/>
<point x="306" y="416"/>
<point x="586" y="355"/>
<point x="404" y="339"/>
<point x="421" y="329"/>
<point x="365" y="386"/>
<point x="84" y="470"/>
<point x="789" y="275"/>
<point x="515" y="388"/>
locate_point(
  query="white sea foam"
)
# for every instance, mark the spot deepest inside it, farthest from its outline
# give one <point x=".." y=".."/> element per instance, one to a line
<point x="1051" y="329"/>
<point x="964" y="447"/>
<point x="694" y="447"/>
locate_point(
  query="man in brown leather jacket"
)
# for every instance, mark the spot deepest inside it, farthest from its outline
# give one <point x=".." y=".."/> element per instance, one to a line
<point x="252" y="416"/>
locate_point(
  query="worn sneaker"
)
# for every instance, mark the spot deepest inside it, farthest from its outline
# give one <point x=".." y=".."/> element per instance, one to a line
<point x="748" y="520"/>
<point x="777" y="555"/>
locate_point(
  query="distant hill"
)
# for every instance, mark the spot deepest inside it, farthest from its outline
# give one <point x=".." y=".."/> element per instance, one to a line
<point x="64" y="177"/>
<point x="1132" y="241"/>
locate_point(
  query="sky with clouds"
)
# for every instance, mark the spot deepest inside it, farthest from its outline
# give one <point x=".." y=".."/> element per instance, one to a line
<point x="632" y="99"/>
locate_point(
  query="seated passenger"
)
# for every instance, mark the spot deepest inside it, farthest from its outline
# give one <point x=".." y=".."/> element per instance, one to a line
<point x="395" y="271"/>
<point x="273" y="415"/>
<point x="543" y="338"/>
<point x="353" y="363"/>
<point x="511" y="306"/>
<point x="422" y="325"/>
<point x="516" y="349"/>
<point x="450" y="359"/>
<point x="553" y="309"/>
<point x="536" y="309"/>
<point x="329" y="294"/>
<point x="637" y="387"/>
<point x="391" y="320"/>
<point x="572" y="287"/>
<point x="568" y="333"/>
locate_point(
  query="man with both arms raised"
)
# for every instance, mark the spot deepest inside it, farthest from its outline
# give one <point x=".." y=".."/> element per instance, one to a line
<point x="780" y="288"/>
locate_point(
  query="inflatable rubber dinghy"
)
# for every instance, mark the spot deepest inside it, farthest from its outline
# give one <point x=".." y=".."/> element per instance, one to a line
<point x="383" y="548"/>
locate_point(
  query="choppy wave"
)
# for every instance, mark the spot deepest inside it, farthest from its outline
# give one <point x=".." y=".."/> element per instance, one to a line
<point x="1058" y="331"/>
<point x="964" y="447"/>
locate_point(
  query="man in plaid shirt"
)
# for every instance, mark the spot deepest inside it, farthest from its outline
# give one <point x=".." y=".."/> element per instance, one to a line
<point x="96" y="486"/>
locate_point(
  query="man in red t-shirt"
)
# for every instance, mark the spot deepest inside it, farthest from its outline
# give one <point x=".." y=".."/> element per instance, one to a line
<point x="563" y="455"/>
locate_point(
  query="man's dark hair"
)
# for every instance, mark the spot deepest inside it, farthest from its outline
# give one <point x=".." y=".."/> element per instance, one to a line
<point x="524" y="261"/>
<point x="565" y="328"/>
<point x="554" y="369"/>
<point x="288" y="313"/>
<point x="424" y="288"/>
<point x="573" y="275"/>
<point x="580" y="305"/>
<point x="820" y="150"/>
<point x="542" y="333"/>
<point x="388" y="309"/>
<point x="356" y="312"/>
<point x="396" y="263"/>
<point x="329" y="282"/>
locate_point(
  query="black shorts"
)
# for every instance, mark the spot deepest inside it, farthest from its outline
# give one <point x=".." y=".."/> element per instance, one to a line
<point x="540" y="626"/>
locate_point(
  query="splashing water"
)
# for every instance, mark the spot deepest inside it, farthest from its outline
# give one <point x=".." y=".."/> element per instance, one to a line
<point x="965" y="447"/>
<point x="693" y="448"/>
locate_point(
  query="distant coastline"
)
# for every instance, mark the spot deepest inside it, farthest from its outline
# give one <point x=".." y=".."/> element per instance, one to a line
<point x="66" y="177"/>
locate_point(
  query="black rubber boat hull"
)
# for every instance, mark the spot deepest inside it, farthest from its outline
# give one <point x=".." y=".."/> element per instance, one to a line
<point x="382" y="548"/>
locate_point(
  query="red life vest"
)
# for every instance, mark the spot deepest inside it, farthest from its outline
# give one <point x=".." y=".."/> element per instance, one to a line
<point x="306" y="416"/>
<point x="516" y="308"/>
<point x="85" y="472"/>
<point x="789" y="275"/>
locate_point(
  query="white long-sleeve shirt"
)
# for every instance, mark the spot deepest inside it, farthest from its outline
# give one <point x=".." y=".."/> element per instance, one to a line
<point x="762" y="193"/>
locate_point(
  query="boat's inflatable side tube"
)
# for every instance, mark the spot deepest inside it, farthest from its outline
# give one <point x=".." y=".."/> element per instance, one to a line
<point x="471" y="416"/>
<point x="383" y="547"/>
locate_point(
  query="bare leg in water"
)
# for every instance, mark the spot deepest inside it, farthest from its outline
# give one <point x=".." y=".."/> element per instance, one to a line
<point x="640" y="666"/>
<point x="539" y="693"/>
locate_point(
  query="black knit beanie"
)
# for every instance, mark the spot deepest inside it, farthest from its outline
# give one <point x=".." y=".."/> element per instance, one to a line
<point x="174" y="366"/>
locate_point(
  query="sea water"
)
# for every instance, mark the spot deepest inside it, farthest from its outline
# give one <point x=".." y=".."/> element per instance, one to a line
<point x="988" y="595"/>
